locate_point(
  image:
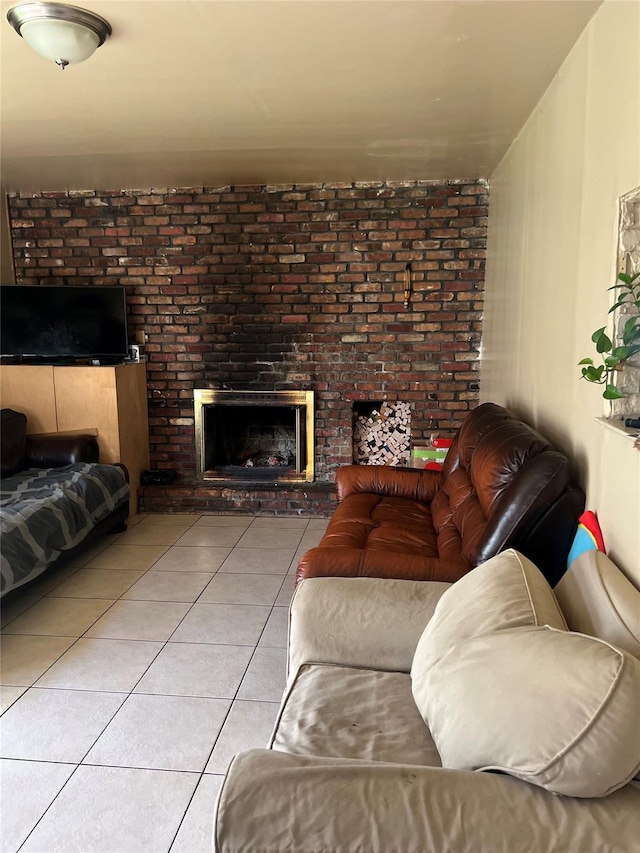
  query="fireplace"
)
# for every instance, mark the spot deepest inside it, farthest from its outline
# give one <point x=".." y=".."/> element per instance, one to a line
<point x="254" y="436"/>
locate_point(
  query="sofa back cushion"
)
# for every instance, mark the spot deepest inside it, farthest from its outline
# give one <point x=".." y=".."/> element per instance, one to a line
<point x="507" y="591"/>
<point x="556" y="709"/>
<point x="499" y="478"/>
<point x="13" y="442"/>
<point x="597" y="599"/>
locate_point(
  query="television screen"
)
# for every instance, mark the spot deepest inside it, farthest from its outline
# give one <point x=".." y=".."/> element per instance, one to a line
<point x="63" y="323"/>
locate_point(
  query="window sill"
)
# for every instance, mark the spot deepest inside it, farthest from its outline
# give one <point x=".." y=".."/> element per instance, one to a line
<point x="619" y="427"/>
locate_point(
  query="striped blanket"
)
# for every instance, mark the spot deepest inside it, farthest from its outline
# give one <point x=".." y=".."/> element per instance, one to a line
<point x="45" y="511"/>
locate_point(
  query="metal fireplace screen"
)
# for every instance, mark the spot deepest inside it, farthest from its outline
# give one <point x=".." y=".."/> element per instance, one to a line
<point x="254" y="435"/>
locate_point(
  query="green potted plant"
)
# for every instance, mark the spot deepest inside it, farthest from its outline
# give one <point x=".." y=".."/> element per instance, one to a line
<point x="614" y="357"/>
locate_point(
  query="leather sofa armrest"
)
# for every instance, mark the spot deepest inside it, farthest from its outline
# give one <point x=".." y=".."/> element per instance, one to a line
<point x="411" y="483"/>
<point x="54" y="451"/>
<point x="273" y="801"/>
<point x="371" y="623"/>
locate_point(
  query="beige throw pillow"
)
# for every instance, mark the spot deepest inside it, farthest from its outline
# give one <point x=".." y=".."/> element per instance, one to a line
<point x="507" y="591"/>
<point x="556" y="709"/>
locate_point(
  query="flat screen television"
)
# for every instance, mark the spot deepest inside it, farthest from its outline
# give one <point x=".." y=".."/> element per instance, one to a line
<point x="63" y="324"/>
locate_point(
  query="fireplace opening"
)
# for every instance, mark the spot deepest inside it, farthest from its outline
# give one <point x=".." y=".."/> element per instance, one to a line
<point x="259" y="435"/>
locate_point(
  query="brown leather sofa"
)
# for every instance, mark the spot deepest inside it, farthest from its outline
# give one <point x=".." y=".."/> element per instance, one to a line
<point x="502" y="486"/>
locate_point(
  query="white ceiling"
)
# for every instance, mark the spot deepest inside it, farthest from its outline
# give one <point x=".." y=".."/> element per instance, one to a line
<point x="217" y="92"/>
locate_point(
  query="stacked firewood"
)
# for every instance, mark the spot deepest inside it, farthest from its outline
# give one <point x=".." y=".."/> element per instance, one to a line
<point x="384" y="436"/>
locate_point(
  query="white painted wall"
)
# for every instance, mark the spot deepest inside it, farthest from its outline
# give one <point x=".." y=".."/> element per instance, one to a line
<point x="552" y="256"/>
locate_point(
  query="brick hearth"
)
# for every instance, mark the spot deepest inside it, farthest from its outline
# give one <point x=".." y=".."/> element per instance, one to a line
<point x="276" y="288"/>
<point x="307" y="499"/>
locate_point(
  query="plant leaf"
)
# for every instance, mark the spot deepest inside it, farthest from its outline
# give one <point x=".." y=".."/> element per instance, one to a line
<point x="620" y="353"/>
<point x="612" y="393"/>
<point x="603" y="341"/>
<point x="631" y="329"/>
<point x="586" y="361"/>
<point x="593" y="374"/>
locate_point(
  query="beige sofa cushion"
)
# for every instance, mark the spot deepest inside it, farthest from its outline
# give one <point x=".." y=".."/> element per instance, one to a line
<point x="557" y="709"/>
<point x="370" y="623"/>
<point x="597" y="599"/>
<point x="507" y="591"/>
<point x="342" y="712"/>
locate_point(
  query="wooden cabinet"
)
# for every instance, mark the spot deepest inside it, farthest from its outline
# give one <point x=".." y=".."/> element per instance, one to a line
<point x="30" y="390"/>
<point x="109" y="401"/>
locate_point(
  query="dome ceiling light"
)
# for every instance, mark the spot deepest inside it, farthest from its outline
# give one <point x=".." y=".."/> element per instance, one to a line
<point x="63" y="34"/>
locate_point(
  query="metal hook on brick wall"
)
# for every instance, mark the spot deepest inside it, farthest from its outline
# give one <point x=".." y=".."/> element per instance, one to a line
<point x="407" y="286"/>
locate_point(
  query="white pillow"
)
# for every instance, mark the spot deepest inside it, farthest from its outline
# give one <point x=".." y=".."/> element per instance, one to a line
<point x="507" y="591"/>
<point x="556" y="709"/>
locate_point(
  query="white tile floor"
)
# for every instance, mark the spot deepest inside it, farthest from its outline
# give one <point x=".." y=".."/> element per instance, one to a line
<point x="131" y="676"/>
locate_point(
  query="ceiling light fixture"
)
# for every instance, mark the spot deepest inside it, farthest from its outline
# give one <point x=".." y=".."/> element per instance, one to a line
<point x="63" y="34"/>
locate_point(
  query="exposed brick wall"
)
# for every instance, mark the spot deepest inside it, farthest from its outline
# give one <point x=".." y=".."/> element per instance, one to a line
<point x="278" y="287"/>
